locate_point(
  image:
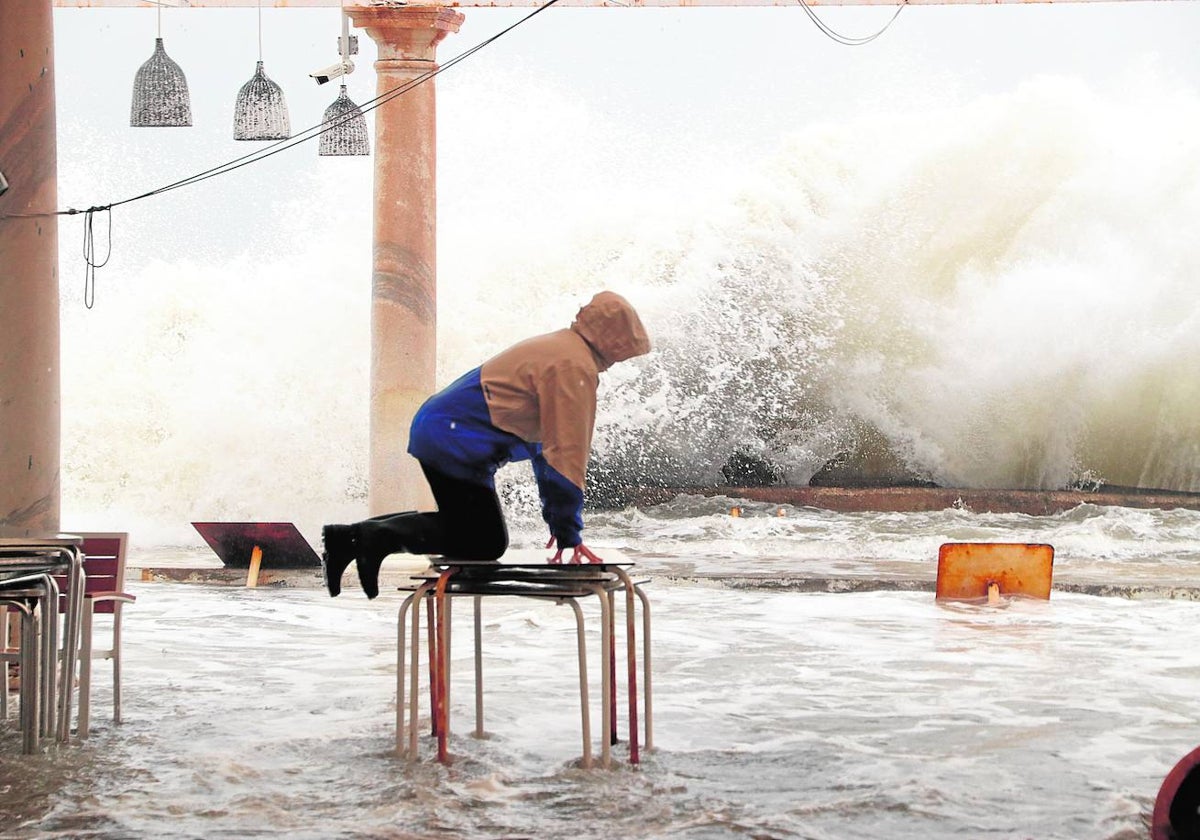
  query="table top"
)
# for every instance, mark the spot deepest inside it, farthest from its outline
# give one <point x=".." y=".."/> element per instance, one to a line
<point x="518" y="577"/>
<point x="55" y="541"/>
<point x="24" y="555"/>
<point x="535" y="558"/>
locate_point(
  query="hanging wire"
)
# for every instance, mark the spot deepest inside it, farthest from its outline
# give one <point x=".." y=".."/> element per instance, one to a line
<point x="844" y="39"/>
<point x="89" y="253"/>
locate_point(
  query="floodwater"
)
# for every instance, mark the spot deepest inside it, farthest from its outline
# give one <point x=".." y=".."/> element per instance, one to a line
<point x="777" y="714"/>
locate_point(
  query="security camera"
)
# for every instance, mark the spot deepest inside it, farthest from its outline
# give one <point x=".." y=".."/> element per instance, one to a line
<point x="3" y="184"/>
<point x="333" y="71"/>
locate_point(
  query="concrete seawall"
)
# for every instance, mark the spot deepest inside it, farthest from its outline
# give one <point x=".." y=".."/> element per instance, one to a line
<point x="914" y="499"/>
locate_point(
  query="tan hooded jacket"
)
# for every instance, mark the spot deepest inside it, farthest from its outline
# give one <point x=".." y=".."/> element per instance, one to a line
<point x="543" y="390"/>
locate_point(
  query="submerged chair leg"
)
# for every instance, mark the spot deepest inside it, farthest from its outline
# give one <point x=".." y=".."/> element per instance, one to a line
<point x="75" y="587"/>
<point x="606" y="687"/>
<point x="631" y="655"/>
<point x="414" y="677"/>
<point x="611" y="624"/>
<point x="30" y="702"/>
<point x="116" y="663"/>
<point x="400" y="639"/>
<point x="479" y="732"/>
<point x="647" y="691"/>
<point x="85" y="672"/>
<point x="431" y="639"/>
<point x="4" y="671"/>
<point x="31" y="661"/>
<point x="30" y="692"/>
<point x="441" y="674"/>
<point x="48" y="606"/>
<point x="448" y="606"/>
<point x="584" y="703"/>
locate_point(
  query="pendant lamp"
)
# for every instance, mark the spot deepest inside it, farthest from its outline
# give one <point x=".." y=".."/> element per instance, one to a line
<point x="261" y="111"/>
<point x="345" y="131"/>
<point x="160" y="91"/>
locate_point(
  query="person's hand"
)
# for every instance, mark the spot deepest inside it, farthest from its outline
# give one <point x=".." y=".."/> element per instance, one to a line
<point x="580" y="552"/>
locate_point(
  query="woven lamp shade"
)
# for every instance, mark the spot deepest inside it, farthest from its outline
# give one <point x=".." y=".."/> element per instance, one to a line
<point x="261" y="112"/>
<point x="347" y="129"/>
<point x="160" y="92"/>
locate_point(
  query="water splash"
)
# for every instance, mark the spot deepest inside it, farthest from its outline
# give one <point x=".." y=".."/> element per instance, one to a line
<point x="996" y="291"/>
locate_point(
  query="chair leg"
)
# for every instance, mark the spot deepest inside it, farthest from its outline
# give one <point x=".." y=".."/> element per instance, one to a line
<point x="584" y="710"/>
<point x="116" y="664"/>
<point x="30" y="681"/>
<point x="479" y="733"/>
<point x="410" y="603"/>
<point x="4" y="671"/>
<point x="85" y="671"/>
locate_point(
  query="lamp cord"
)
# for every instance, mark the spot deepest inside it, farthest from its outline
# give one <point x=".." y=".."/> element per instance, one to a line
<point x="843" y="39"/>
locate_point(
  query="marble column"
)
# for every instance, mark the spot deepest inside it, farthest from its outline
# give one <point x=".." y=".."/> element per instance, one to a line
<point x="29" y="328"/>
<point x="404" y="281"/>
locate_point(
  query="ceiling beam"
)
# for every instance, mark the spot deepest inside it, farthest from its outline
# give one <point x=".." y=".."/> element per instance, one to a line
<point x="310" y="4"/>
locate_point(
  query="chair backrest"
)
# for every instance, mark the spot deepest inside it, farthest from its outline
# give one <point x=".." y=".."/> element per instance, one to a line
<point x="103" y="564"/>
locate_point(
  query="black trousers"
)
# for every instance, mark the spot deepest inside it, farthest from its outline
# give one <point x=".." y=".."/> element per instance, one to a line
<point x="468" y="524"/>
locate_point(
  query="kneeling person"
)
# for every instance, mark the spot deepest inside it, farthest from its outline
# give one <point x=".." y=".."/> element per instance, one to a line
<point x="536" y="401"/>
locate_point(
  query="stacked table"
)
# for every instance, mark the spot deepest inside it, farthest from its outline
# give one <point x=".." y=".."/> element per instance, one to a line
<point x="26" y="584"/>
<point x="527" y="575"/>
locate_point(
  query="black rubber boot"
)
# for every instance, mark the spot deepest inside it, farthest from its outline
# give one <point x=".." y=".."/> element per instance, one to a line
<point x="370" y="559"/>
<point x="340" y="549"/>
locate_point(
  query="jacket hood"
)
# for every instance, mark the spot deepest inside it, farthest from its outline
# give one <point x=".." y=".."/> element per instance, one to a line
<point x="612" y="327"/>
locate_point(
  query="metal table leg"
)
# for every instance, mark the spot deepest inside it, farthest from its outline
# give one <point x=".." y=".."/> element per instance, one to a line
<point x="631" y="655"/>
<point x="441" y="674"/>
<point x="422" y="592"/>
<point x="605" y="674"/>
<point x="584" y="700"/>
<point x="400" y="639"/>
<point x="478" y="599"/>
<point x="647" y="692"/>
<point x="32" y="661"/>
<point x="73" y="625"/>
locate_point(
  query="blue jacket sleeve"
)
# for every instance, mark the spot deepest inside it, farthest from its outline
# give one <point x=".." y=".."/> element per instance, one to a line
<point x="562" y="501"/>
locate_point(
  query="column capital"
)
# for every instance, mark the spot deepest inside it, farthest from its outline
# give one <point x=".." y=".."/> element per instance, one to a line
<point x="406" y="33"/>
